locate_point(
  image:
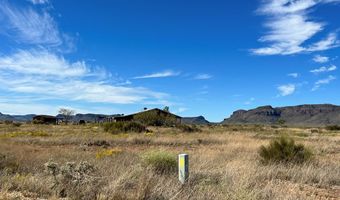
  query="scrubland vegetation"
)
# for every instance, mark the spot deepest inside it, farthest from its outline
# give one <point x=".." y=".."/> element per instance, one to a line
<point x="226" y="162"/>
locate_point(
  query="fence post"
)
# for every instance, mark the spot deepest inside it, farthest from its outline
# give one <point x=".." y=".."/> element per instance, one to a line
<point x="183" y="167"/>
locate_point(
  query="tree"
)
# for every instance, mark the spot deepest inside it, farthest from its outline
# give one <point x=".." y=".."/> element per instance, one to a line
<point x="66" y="113"/>
<point x="166" y="109"/>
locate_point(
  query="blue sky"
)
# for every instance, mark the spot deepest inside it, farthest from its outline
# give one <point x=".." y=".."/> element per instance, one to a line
<point x="198" y="57"/>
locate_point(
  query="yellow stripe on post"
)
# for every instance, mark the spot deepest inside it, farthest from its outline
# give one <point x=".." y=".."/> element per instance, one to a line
<point x="183" y="167"/>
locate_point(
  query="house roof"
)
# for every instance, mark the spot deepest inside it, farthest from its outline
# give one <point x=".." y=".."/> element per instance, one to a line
<point x="154" y="109"/>
<point x="45" y="116"/>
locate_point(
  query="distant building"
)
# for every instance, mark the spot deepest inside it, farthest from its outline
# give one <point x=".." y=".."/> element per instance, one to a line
<point x="159" y="112"/>
<point x="45" y="119"/>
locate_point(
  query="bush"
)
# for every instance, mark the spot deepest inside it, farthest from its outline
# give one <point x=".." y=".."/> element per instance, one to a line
<point x="8" y="163"/>
<point x="188" y="128"/>
<point x="118" y="127"/>
<point x="161" y="162"/>
<point x="284" y="150"/>
<point x="333" y="128"/>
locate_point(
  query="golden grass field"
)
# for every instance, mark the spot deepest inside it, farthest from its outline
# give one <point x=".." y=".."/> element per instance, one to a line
<point x="224" y="163"/>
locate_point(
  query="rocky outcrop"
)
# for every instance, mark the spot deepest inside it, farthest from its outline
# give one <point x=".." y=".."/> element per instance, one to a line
<point x="200" y="120"/>
<point x="302" y="115"/>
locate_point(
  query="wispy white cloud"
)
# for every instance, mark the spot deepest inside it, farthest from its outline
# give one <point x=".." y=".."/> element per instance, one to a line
<point x="285" y="90"/>
<point x="44" y="74"/>
<point x="26" y="25"/>
<point x="294" y="75"/>
<point x="180" y="110"/>
<point x="203" y="77"/>
<point x="321" y="82"/>
<point x="291" y="27"/>
<point x="250" y="101"/>
<point x="42" y="62"/>
<point x="167" y="73"/>
<point x="324" y="69"/>
<point x="320" y="59"/>
<point x="331" y="41"/>
<point x="39" y="1"/>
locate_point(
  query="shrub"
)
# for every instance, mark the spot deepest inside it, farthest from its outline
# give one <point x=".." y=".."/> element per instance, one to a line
<point x="16" y="124"/>
<point x="118" y="127"/>
<point x="161" y="162"/>
<point x="284" y="150"/>
<point x="188" y="128"/>
<point x="8" y="163"/>
<point x="7" y="122"/>
<point x="73" y="179"/>
<point x="333" y="128"/>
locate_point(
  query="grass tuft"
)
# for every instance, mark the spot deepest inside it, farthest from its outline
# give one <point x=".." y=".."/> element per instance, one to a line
<point x="161" y="162"/>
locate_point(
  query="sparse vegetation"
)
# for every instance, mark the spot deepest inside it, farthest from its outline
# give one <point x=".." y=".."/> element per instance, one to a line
<point x="224" y="164"/>
<point x="333" y="128"/>
<point x="284" y="150"/>
<point x="107" y="153"/>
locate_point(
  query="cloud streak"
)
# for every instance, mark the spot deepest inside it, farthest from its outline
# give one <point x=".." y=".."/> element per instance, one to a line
<point x="290" y="27"/>
<point x="164" y="74"/>
<point x="203" y="77"/>
<point x="324" y="69"/>
<point x="321" y="82"/>
<point x="294" y="75"/>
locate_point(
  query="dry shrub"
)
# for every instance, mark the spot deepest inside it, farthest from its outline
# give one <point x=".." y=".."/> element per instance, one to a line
<point x="188" y="128"/>
<point x="333" y="128"/>
<point x="73" y="180"/>
<point x="284" y="150"/>
<point x="8" y="163"/>
<point x="161" y="162"/>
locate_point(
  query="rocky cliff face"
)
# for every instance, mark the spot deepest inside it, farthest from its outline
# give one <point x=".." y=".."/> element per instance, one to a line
<point x="200" y="120"/>
<point x="302" y="115"/>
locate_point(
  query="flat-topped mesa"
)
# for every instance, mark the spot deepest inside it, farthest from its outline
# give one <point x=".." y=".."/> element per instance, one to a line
<point x="301" y="115"/>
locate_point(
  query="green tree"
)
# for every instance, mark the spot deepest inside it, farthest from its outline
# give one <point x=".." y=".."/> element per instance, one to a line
<point x="166" y="109"/>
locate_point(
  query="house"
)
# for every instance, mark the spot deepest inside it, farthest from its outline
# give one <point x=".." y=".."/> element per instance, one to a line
<point x="45" y="119"/>
<point x="158" y="112"/>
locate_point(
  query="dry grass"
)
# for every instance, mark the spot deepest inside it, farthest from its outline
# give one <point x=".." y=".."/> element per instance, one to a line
<point x="224" y="163"/>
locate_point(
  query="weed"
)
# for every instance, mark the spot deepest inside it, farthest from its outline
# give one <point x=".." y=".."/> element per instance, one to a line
<point x="107" y="153"/>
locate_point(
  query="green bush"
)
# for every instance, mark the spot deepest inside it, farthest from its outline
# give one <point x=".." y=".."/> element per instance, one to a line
<point x="284" y="150"/>
<point x="333" y="128"/>
<point x="119" y="127"/>
<point x="161" y="162"/>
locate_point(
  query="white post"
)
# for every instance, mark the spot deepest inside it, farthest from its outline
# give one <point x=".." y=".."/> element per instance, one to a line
<point x="183" y="167"/>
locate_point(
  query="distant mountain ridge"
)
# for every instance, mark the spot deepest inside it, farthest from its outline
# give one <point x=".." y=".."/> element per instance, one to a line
<point x="301" y="115"/>
<point x="200" y="120"/>
<point x="18" y="118"/>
